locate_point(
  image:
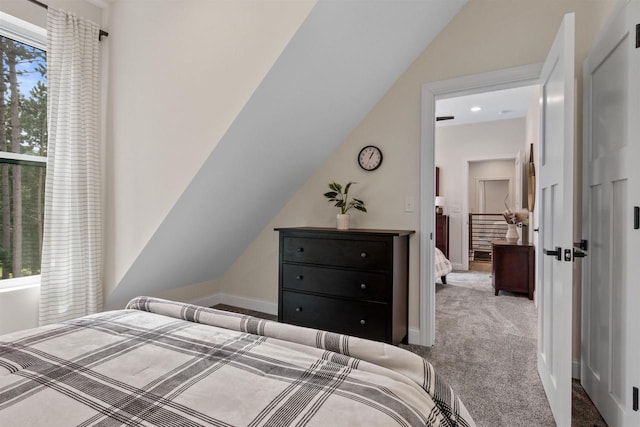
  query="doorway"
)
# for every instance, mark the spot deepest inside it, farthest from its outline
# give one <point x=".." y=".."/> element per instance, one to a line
<point x="493" y="81"/>
<point x="492" y="194"/>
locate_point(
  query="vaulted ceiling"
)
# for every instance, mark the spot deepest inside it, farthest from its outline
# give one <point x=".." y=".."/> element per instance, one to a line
<point x="341" y="61"/>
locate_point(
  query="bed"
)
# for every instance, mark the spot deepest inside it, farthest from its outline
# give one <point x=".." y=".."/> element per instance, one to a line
<point x="164" y="363"/>
<point x="441" y="266"/>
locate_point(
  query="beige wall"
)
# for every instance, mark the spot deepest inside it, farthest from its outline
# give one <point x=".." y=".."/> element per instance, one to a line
<point x="179" y="74"/>
<point x="486" y="35"/>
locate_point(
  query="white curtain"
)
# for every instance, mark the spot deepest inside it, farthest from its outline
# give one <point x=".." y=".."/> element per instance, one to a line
<point x="72" y="243"/>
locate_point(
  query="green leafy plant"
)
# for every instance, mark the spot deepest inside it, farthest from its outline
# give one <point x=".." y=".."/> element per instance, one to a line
<point x="342" y="200"/>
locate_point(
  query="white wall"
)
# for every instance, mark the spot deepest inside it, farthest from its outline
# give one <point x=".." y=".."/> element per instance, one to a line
<point x="19" y="308"/>
<point x="486" y="35"/>
<point x="455" y="147"/>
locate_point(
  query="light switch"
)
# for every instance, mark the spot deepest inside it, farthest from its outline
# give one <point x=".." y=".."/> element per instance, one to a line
<point x="409" y="204"/>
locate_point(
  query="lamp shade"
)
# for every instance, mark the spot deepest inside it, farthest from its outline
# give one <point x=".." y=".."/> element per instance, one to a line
<point x="439" y="201"/>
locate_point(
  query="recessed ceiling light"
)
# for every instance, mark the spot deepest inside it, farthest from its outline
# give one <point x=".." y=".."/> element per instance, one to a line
<point x="476" y="109"/>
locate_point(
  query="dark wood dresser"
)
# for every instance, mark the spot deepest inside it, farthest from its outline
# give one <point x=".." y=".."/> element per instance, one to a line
<point x="353" y="282"/>
<point x="442" y="233"/>
<point x="513" y="266"/>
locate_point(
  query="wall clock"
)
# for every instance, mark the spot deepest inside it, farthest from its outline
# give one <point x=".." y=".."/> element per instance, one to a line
<point x="370" y="158"/>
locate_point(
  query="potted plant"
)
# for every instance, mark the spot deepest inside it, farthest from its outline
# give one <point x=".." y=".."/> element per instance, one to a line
<point x="342" y="201"/>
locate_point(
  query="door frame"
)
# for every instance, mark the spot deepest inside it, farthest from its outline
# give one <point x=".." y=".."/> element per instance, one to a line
<point x="484" y="82"/>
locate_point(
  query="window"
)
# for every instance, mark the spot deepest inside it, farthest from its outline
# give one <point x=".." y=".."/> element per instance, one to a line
<point x="23" y="146"/>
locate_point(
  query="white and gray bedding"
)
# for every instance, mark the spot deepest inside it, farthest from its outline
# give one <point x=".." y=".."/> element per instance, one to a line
<point x="442" y="266"/>
<point x="162" y="363"/>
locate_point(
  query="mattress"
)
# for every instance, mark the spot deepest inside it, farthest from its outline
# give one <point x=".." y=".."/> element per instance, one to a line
<point x="164" y="363"/>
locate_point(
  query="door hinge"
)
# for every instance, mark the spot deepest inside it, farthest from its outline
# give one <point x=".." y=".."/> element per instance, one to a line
<point x="635" y="398"/>
<point x="637" y="36"/>
<point x="636" y="217"/>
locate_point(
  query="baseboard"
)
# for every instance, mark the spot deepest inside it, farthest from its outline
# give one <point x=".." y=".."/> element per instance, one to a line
<point x="414" y="336"/>
<point x="238" y="301"/>
<point x="575" y="369"/>
<point x="457" y="266"/>
<point x="208" y="301"/>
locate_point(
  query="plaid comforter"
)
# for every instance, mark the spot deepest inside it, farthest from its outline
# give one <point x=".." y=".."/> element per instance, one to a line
<point x="162" y="363"/>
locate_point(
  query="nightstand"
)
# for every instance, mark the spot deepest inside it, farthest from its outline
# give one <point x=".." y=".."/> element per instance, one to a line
<point x="513" y="266"/>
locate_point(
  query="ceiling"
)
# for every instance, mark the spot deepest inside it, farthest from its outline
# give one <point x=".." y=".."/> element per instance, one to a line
<point x="498" y="105"/>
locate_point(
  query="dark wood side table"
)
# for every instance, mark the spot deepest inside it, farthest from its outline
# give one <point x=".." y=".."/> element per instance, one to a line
<point x="513" y="266"/>
<point x="353" y="282"/>
<point x="442" y="233"/>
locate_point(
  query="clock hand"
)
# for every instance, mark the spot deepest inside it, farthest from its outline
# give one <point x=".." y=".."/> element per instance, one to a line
<point x="370" y="155"/>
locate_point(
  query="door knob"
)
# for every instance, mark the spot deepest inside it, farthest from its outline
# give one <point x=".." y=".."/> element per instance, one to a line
<point x="557" y="253"/>
<point x="577" y="253"/>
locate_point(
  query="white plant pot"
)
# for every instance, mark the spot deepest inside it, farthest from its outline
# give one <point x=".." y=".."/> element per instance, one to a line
<point x="342" y="221"/>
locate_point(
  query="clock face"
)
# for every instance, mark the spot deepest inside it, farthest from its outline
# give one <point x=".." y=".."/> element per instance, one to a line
<point x="370" y="158"/>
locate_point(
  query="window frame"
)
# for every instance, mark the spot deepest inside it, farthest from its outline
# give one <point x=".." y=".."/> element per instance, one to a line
<point x="33" y="35"/>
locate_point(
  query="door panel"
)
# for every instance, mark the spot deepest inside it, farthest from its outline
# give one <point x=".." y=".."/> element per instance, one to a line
<point x="556" y="222"/>
<point x="609" y="344"/>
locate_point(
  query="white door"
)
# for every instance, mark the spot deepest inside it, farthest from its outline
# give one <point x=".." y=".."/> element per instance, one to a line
<point x="556" y="222"/>
<point x="610" y="294"/>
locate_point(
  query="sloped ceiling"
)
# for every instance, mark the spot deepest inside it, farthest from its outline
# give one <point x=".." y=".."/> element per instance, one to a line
<point x="342" y="60"/>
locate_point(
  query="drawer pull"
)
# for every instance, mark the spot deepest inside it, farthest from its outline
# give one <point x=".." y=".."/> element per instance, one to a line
<point x="363" y="286"/>
<point x="299" y="277"/>
<point x="363" y="255"/>
<point x="298" y="309"/>
<point x="363" y="322"/>
<point x="299" y="249"/>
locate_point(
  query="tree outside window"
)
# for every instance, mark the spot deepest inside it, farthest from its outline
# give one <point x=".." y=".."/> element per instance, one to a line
<point x="23" y="151"/>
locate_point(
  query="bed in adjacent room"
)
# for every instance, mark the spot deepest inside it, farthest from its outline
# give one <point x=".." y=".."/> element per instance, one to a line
<point x="165" y="363"/>
<point x="441" y="266"/>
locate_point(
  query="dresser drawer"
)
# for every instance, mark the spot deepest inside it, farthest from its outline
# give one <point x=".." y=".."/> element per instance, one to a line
<point x="361" y="254"/>
<point x="357" y="318"/>
<point x="362" y="285"/>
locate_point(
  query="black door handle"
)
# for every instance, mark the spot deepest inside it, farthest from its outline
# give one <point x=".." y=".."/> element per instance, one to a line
<point x="577" y="253"/>
<point x="557" y="253"/>
<point x="582" y="244"/>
